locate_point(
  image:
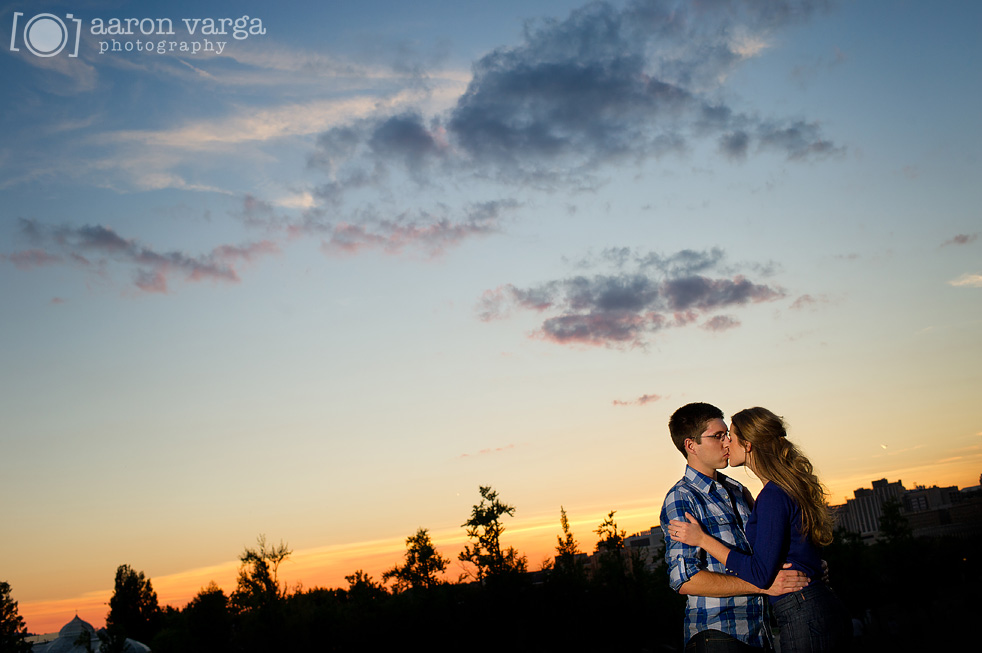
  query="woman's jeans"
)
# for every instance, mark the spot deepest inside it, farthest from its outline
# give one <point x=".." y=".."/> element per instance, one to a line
<point x="812" y="621"/>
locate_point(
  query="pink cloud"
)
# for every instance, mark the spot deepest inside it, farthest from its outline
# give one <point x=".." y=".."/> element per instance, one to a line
<point x="721" y="323"/>
<point x="393" y="237"/>
<point x="808" y="300"/>
<point x="152" y="270"/>
<point x="640" y="401"/>
<point x="493" y="304"/>
<point x="32" y="258"/>
<point x="961" y="239"/>
<point x="485" y="452"/>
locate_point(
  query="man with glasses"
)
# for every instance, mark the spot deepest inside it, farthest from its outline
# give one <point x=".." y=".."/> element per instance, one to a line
<point x="723" y="613"/>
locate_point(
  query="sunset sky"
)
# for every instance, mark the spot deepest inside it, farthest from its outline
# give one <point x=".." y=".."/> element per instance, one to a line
<point x="371" y="255"/>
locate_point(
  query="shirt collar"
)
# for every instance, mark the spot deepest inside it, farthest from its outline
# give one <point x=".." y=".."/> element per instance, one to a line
<point x="703" y="482"/>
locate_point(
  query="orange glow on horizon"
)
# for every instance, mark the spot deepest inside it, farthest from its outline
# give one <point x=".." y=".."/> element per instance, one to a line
<point x="533" y="536"/>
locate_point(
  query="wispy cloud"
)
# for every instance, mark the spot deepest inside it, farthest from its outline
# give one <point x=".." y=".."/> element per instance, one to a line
<point x="259" y="124"/>
<point x="62" y="76"/>
<point x="967" y="281"/>
<point x="97" y="247"/>
<point x="431" y="234"/>
<point x="960" y="239"/>
<point x="31" y="258"/>
<point x="315" y="93"/>
<point x="646" y="293"/>
<point x="428" y="232"/>
<point x="806" y="301"/>
<point x="275" y="64"/>
<point x="487" y="452"/>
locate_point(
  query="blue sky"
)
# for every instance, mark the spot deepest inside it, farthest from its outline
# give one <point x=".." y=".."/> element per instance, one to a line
<point x="324" y="284"/>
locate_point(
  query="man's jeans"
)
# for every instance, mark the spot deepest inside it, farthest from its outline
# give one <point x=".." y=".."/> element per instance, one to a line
<point x="715" y="641"/>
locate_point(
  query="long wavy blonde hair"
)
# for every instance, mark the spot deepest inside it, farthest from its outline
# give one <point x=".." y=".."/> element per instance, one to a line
<point x="777" y="459"/>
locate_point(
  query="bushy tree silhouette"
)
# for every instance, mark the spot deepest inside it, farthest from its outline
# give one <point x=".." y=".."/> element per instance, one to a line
<point x="133" y="609"/>
<point x="363" y="588"/>
<point x="422" y="566"/>
<point x="610" y="538"/>
<point x="485" y="528"/>
<point x="209" y="620"/>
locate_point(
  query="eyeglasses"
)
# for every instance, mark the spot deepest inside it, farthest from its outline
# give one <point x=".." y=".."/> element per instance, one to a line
<point x="719" y="436"/>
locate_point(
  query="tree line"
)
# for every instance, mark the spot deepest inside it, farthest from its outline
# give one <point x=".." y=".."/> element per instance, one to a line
<point x="570" y="603"/>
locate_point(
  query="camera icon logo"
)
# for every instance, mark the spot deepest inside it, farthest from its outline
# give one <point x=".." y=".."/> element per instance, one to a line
<point x="46" y="35"/>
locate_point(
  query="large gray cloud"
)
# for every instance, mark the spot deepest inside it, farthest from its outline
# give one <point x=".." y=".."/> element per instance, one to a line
<point x="604" y="85"/>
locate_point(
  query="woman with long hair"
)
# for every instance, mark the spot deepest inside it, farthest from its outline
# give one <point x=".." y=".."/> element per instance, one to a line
<point x="790" y="522"/>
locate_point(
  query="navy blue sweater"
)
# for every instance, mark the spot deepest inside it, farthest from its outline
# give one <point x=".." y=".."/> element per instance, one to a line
<point x="774" y="532"/>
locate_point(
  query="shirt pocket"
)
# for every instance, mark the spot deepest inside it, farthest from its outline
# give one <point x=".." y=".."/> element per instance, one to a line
<point x="722" y="526"/>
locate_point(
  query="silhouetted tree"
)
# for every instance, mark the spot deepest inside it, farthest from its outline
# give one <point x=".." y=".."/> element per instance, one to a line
<point x="133" y="609"/>
<point x="611" y="567"/>
<point x="258" y="584"/>
<point x="423" y="563"/>
<point x="13" y="631"/>
<point x="258" y="599"/>
<point x="568" y="564"/>
<point x="172" y="634"/>
<point x="485" y="528"/>
<point x="610" y="538"/>
<point x="361" y="587"/>
<point x="209" y="621"/>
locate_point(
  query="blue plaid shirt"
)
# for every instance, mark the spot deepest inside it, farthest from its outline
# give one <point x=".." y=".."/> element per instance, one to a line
<point x="709" y="502"/>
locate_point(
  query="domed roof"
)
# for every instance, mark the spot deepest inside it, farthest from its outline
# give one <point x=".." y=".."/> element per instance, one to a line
<point x="71" y="639"/>
<point x="69" y="634"/>
<point x="75" y="627"/>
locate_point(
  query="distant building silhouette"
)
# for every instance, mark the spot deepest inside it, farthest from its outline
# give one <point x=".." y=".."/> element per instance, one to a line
<point x="929" y="498"/>
<point x="930" y="511"/>
<point x="651" y="541"/>
<point x="862" y="514"/>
